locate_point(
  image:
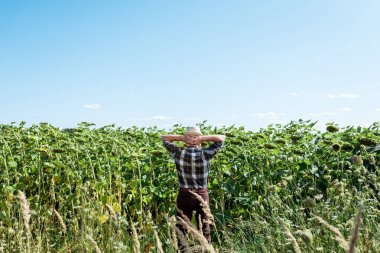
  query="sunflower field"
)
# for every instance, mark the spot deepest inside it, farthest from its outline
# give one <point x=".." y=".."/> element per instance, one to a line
<point x="283" y="188"/>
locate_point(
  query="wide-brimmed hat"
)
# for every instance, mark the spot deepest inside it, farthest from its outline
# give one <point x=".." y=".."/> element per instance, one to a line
<point x="193" y="131"/>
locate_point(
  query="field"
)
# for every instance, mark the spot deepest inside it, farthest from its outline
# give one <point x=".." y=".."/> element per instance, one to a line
<point x="285" y="188"/>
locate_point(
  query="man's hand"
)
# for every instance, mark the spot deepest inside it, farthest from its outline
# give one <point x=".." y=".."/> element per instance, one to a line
<point x="193" y="140"/>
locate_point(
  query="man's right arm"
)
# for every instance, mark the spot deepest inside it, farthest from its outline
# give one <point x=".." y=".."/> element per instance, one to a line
<point x="171" y="137"/>
<point x="171" y="147"/>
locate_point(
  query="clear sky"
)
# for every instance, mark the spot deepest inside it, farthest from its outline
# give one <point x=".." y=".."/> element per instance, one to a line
<point x="160" y="63"/>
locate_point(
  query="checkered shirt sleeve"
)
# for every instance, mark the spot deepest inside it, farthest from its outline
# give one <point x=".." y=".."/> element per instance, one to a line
<point x="211" y="151"/>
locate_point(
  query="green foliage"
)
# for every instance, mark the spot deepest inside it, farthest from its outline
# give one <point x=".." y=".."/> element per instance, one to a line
<point x="290" y="171"/>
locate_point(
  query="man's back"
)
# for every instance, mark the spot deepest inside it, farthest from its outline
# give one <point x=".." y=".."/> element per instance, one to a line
<point x="192" y="163"/>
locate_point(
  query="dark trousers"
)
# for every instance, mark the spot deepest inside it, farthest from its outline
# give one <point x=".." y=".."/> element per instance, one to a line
<point x="187" y="203"/>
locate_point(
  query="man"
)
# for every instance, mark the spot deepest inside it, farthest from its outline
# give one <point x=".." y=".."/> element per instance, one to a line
<point x="193" y="165"/>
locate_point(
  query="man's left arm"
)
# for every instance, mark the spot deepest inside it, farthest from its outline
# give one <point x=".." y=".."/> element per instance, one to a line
<point x="213" y="138"/>
<point x="217" y="140"/>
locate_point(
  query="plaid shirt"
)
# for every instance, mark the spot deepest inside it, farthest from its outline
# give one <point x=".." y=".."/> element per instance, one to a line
<point x="193" y="164"/>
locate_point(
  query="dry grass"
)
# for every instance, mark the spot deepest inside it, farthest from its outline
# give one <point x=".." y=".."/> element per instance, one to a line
<point x="172" y="221"/>
<point x="158" y="242"/>
<point x="207" y="211"/>
<point x="182" y="239"/>
<point x="136" y="245"/>
<point x="25" y="210"/>
<point x="296" y="246"/>
<point x="205" y="208"/>
<point x="348" y="246"/>
<point x="97" y="250"/>
<point x="343" y="243"/>
<point x="61" y="222"/>
<point x="355" y="231"/>
<point x="113" y="213"/>
<point x="201" y="239"/>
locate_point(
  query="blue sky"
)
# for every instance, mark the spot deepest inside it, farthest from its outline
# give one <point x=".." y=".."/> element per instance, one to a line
<point x="160" y="63"/>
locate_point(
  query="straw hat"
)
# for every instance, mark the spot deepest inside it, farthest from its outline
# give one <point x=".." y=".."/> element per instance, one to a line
<point x="193" y="131"/>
